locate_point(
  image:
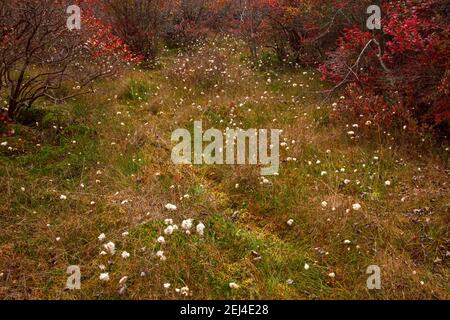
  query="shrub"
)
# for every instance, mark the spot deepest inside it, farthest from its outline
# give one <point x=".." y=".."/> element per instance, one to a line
<point x="407" y="65"/>
<point x="38" y="53"/>
<point x="140" y="23"/>
<point x="364" y="108"/>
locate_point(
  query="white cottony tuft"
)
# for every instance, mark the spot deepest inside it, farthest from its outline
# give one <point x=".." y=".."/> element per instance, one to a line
<point x="356" y="207"/>
<point x="161" y="256"/>
<point x="306" y="266"/>
<point x="184" y="291"/>
<point x="290" y="222"/>
<point x="102" y="237"/>
<point x="104" y="276"/>
<point x="186" y="224"/>
<point x="234" y="285"/>
<point x="200" y="229"/>
<point x="161" y="240"/>
<point x="125" y="255"/>
<point x="169" y="230"/>
<point x="171" y="207"/>
<point x="110" y="248"/>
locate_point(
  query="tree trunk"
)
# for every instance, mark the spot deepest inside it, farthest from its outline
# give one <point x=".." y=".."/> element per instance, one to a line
<point x="12" y="108"/>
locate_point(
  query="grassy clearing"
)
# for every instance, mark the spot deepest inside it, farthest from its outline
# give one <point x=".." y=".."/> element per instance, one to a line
<point x="101" y="164"/>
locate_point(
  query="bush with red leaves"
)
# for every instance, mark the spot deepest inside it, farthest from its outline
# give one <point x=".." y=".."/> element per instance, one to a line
<point x="406" y="65"/>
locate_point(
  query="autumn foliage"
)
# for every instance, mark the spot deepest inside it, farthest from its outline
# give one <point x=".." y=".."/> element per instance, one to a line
<point x="403" y="66"/>
<point x="39" y="55"/>
<point x="402" y="70"/>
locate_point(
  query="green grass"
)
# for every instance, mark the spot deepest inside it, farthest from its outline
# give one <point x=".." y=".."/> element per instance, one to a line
<point x="138" y="90"/>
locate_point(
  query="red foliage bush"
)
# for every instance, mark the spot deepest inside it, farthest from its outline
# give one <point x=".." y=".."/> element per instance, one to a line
<point x="367" y="109"/>
<point x="186" y="33"/>
<point x="407" y="64"/>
